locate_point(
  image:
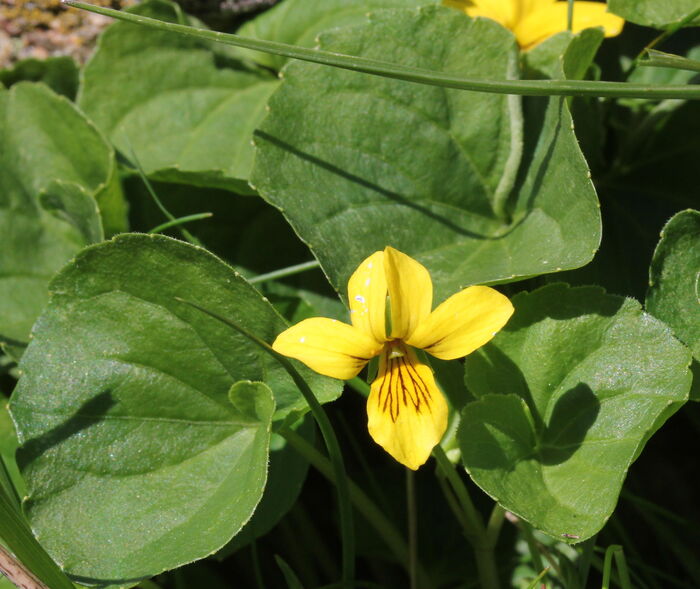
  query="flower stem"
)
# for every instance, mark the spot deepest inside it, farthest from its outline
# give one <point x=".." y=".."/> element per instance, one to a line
<point x="283" y="272"/>
<point x="476" y="531"/>
<point x="346" y="526"/>
<point x="374" y="516"/>
<point x="359" y="385"/>
<point x="412" y="74"/>
<point x="495" y="523"/>
<point x="412" y="527"/>
<point x="483" y="539"/>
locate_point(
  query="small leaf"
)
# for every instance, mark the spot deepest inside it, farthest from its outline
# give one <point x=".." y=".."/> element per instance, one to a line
<point x="124" y="407"/>
<point x="674" y="284"/>
<point x="569" y="393"/>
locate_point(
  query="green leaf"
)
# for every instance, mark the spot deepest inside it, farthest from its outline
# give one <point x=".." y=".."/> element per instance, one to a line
<point x="123" y="408"/>
<point x="55" y="166"/>
<point x="299" y="22"/>
<point x="674" y="283"/>
<point x="58" y="73"/>
<point x="356" y="162"/>
<point x="655" y="13"/>
<point x="569" y="393"/>
<point x="186" y="112"/>
<point x="286" y="474"/>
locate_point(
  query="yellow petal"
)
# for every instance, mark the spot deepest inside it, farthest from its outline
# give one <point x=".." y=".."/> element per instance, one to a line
<point x="328" y="346"/>
<point x="410" y="292"/>
<point x="506" y="12"/>
<point x="367" y="297"/>
<point x="543" y="23"/>
<point x="407" y="413"/>
<point x="463" y="323"/>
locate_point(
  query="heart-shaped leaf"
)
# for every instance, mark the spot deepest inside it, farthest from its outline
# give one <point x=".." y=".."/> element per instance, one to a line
<point x="570" y="391"/>
<point x="123" y="408"/>
<point x="356" y="162"/>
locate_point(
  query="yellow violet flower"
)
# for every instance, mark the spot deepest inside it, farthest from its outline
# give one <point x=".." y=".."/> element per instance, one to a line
<point x="533" y="21"/>
<point x="407" y="412"/>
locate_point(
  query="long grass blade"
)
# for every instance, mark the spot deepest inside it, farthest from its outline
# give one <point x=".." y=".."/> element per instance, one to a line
<point x="411" y="74"/>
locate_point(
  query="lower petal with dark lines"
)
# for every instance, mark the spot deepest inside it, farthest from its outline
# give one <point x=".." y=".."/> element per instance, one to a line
<point x="407" y="413"/>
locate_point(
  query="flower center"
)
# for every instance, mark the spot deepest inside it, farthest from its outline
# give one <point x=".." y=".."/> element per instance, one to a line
<point x="401" y="382"/>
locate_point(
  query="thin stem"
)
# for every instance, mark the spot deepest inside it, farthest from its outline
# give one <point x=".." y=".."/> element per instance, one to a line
<point x="257" y="571"/>
<point x="374" y="516"/>
<point x="584" y="561"/>
<point x="494" y="525"/>
<point x="180" y="221"/>
<point x="537" y="579"/>
<point x="475" y="532"/>
<point x="570" y="16"/>
<point x="411" y="74"/>
<point x="622" y="572"/>
<point x="412" y="527"/>
<point x="607" y="565"/>
<point x="532" y="546"/>
<point x="452" y="502"/>
<point x="653" y="58"/>
<point x="346" y="526"/>
<point x="660" y="39"/>
<point x="359" y="385"/>
<point x="283" y="272"/>
<point x="149" y="187"/>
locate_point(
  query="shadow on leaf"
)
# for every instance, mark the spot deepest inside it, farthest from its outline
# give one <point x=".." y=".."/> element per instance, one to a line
<point x="90" y="413"/>
<point x="355" y="179"/>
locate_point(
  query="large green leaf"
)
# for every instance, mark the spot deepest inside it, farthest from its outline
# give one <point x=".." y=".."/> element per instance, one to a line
<point x="299" y="22"/>
<point x="184" y="111"/>
<point x="569" y="393"/>
<point x="357" y="162"/>
<point x="54" y="167"/>
<point x="134" y="459"/>
<point x="674" y="283"/>
<point x="654" y="13"/>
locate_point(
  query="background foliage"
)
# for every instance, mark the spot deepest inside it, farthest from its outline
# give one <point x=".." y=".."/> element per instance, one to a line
<point x="151" y="435"/>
